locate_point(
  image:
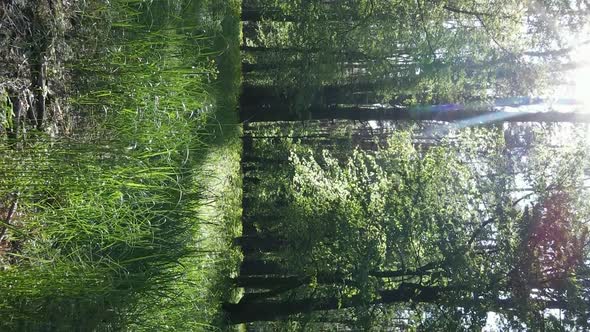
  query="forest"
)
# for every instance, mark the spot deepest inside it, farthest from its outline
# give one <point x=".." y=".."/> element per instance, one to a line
<point x="302" y="165"/>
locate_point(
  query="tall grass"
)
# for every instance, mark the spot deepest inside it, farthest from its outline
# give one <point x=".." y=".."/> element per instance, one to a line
<point x="108" y="216"/>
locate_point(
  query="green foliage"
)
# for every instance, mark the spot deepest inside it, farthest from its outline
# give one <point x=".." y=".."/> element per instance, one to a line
<point x="109" y="224"/>
<point x="5" y="111"/>
<point x="445" y="220"/>
<point x="406" y="53"/>
<point x="381" y="203"/>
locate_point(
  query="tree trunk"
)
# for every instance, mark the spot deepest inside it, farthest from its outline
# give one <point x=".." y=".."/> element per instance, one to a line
<point x="259" y="243"/>
<point x="267" y="113"/>
<point x="271" y="310"/>
<point x="258" y="14"/>
<point x="292" y="50"/>
<point x="245" y="312"/>
<point x="453" y="114"/>
<point x="253" y="267"/>
<point x="265" y="67"/>
<point x="269" y="282"/>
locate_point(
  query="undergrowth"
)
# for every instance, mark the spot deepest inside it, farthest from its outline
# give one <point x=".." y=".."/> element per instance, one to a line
<point x="126" y="222"/>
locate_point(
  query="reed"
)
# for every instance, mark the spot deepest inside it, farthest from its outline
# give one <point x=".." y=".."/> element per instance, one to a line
<point x="109" y="231"/>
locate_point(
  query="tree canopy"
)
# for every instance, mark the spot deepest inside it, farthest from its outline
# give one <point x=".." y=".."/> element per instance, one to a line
<point x="415" y="227"/>
<point x="398" y="203"/>
<point x="311" y="55"/>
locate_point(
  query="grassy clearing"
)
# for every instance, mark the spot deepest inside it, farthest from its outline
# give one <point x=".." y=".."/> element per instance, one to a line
<point x="206" y="280"/>
<point x="114" y="228"/>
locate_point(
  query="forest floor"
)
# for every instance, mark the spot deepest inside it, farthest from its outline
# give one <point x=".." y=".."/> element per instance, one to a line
<point x="33" y="50"/>
<point x="120" y="191"/>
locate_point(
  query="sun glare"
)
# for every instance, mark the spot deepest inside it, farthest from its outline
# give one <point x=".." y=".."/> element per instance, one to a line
<point x="581" y="76"/>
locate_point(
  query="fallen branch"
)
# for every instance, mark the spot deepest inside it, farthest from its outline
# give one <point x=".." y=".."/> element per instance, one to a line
<point x="16" y="114"/>
<point x="9" y="216"/>
<point x="40" y="89"/>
